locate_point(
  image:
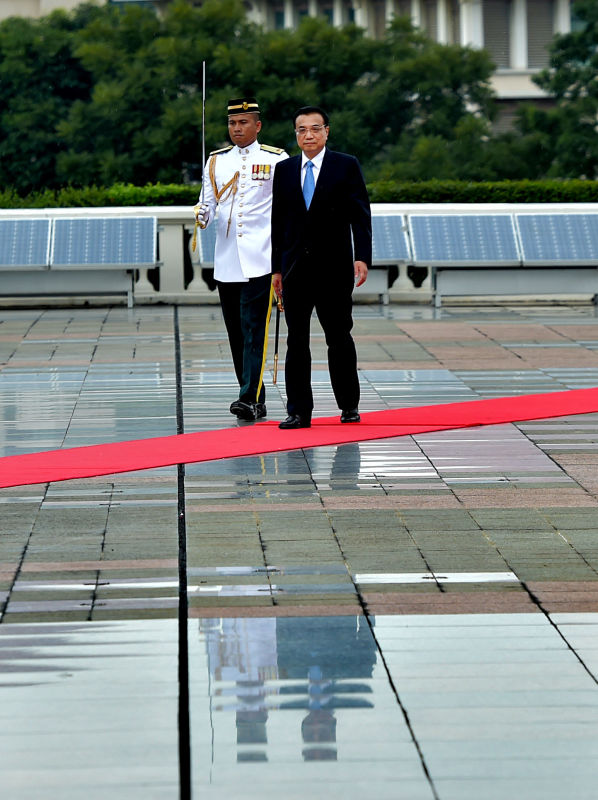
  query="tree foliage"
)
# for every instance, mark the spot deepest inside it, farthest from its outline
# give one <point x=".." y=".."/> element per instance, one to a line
<point x="40" y="79"/>
<point x="110" y="94"/>
<point x="570" y="129"/>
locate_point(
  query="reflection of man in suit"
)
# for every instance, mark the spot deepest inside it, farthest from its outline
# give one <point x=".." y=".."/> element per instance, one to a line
<point x="320" y="249"/>
<point x="324" y="664"/>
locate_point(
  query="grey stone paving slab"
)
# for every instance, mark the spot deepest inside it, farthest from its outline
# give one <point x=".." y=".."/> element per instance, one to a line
<point x="555" y="654"/>
<point x="50" y="696"/>
<point x="579" y="768"/>
<point x="533" y="788"/>
<point x="494" y="698"/>
<point x="404" y="789"/>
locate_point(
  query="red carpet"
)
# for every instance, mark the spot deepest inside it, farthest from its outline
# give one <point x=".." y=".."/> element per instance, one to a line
<point x="265" y="437"/>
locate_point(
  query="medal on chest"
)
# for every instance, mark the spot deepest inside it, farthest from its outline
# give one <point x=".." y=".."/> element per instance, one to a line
<point x="261" y="172"/>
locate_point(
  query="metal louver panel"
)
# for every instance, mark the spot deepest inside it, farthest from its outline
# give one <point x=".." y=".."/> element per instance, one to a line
<point x="540" y="30"/>
<point x="496" y="31"/>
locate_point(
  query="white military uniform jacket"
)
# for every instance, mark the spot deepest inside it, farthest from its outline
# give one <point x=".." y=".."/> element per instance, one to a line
<point x="238" y="180"/>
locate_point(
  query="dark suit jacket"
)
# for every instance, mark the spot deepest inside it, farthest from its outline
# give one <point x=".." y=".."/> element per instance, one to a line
<point x="336" y="230"/>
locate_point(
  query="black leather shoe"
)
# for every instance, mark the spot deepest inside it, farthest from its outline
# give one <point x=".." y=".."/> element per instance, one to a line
<point x="350" y="415"/>
<point x="260" y="410"/>
<point x="295" y="421"/>
<point x="243" y="410"/>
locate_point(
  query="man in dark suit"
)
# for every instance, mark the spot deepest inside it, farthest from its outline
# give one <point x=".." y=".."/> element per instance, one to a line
<point x="321" y="249"/>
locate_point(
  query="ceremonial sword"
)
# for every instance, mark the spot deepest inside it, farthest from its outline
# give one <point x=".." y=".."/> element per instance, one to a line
<point x="203" y="148"/>
<point x="279" y="308"/>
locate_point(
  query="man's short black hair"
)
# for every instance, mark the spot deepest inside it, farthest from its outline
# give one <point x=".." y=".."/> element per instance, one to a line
<point x="255" y="114"/>
<point x="311" y="110"/>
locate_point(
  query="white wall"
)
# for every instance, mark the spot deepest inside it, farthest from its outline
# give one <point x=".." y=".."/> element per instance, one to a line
<point x="35" y="8"/>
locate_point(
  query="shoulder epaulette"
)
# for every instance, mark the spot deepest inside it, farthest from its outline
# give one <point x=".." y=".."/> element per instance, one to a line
<point x="222" y="150"/>
<point x="269" y="149"/>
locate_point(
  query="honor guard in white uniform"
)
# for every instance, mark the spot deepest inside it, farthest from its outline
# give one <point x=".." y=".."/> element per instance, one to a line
<point x="237" y="183"/>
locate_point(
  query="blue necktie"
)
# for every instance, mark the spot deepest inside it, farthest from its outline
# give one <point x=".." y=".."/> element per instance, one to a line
<point x="309" y="185"/>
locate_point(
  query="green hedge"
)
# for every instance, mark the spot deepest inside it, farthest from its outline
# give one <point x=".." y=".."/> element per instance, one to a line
<point x="569" y="191"/>
<point x="121" y="194"/>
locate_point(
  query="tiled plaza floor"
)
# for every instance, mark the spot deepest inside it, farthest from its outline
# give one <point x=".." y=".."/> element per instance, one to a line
<point x="407" y="618"/>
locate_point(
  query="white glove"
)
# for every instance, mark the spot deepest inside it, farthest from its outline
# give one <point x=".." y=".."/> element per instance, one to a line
<point x="202" y="214"/>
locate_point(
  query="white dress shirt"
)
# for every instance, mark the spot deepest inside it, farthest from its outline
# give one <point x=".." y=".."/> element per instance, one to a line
<point x="316" y="161"/>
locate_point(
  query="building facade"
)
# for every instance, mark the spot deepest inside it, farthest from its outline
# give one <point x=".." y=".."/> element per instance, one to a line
<point x="515" y="32"/>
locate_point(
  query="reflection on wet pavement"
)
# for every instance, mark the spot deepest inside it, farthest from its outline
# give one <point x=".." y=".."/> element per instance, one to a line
<point x="89" y="710"/>
<point x="456" y="706"/>
<point x="409" y="618"/>
<point x="400" y="707"/>
<point x="287" y="692"/>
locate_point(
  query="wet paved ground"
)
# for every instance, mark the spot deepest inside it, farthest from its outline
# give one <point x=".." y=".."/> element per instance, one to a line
<point x="408" y="618"/>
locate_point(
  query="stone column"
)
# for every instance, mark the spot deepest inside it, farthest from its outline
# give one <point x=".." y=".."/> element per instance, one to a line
<point x="289" y="14"/>
<point x="442" y="21"/>
<point x="361" y="13"/>
<point x="562" y="16"/>
<point x="172" y="258"/>
<point x="518" y="33"/>
<point x="416" y="12"/>
<point x="389" y="10"/>
<point x="472" y="23"/>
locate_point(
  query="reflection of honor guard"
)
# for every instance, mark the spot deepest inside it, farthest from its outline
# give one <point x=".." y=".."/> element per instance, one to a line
<point x="242" y="652"/>
<point x="238" y="181"/>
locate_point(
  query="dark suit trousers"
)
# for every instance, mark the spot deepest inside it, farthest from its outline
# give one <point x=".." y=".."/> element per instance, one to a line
<point x="334" y="309"/>
<point x="245" y="309"/>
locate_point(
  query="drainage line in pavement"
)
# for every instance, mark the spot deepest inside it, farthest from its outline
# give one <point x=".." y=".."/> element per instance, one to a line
<point x="18" y="571"/>
<point x="399" y="701"/>
<point x="538" y="603"/>
<point x="184" y="717"/>
<point x="395" y="691"/>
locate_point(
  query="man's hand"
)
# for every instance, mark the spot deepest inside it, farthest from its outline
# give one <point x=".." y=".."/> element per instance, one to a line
<point x="361" y="272"/>
<point x="277" y="284"/>
<point x="202" y="214"/>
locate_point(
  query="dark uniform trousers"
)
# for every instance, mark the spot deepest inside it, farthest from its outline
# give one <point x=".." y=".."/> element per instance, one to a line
<point x="245" y="308"/>
<point x="334" y="310"/>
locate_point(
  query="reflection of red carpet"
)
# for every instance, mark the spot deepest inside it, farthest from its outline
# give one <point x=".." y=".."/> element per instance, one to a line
<point x="265" y="437"/>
